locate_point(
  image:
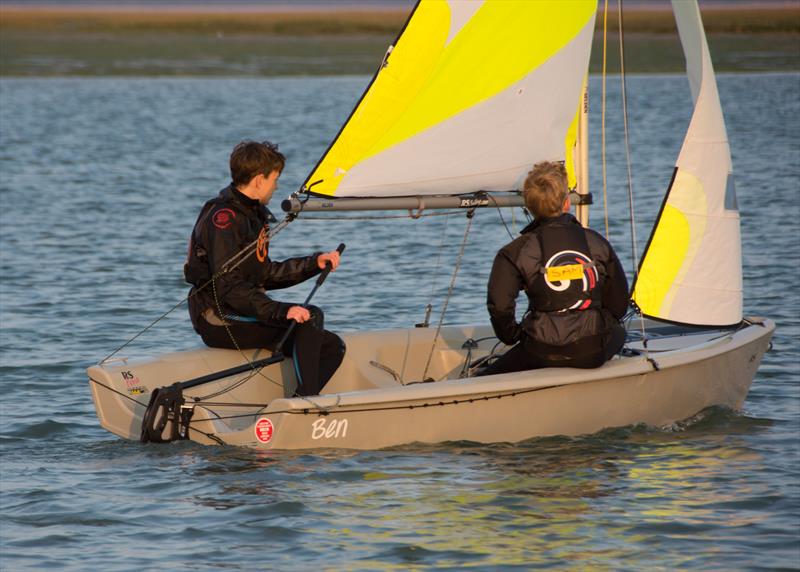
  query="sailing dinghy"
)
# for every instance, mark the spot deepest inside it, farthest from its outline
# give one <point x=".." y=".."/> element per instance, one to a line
<point x="447" y="123"/>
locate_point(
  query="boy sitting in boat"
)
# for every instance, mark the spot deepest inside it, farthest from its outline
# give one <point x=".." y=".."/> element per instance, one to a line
<point x="576" y="287"/>
<point x="229" y="306"/>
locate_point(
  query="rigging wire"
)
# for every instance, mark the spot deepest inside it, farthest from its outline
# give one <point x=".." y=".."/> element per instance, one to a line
<point x="112" y="390"/>
<point x="603" y="115"/>
<point x="254" y="370"/>
<point x="634" y="248"/>
<point x="411" y="407"/>
<point x="502" y="219"/>
<point x="231" y="264"/>
<point x="470" y="216"/>
<point x="435" y="277"/>
<point x="513" y="221"/>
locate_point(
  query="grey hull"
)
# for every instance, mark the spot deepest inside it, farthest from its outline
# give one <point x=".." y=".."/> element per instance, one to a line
<point x="376" y="399"/>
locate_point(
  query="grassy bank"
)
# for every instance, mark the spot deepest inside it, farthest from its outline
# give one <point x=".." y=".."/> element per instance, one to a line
<point x="118" y="42"/>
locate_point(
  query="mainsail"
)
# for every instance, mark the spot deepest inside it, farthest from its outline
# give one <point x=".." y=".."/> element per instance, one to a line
<point x="471" y="95"/>
<point x="691" y="269"/>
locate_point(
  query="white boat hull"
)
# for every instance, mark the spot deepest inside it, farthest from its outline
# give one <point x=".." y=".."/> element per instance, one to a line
<point x="365" y="407"/>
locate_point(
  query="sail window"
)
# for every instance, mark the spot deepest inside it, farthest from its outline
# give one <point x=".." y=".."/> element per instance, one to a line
<point x="731" y="203"/>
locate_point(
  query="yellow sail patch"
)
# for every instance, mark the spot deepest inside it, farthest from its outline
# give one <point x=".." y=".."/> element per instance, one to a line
<point x="676" y="239"/>
<point x="664" y="259"/>
<point x="570" y="147"/>
<point x="428" y="80"/>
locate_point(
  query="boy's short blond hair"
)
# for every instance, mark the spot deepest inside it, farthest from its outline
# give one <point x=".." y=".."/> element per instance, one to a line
<point x="545" y="189"/>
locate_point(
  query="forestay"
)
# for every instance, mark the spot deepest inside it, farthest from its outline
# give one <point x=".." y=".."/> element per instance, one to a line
<point x="691" y="269"/>
<point x="471" y="95"/>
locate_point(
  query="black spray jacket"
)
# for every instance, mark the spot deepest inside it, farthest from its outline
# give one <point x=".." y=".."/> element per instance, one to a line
<point x="227" y="225"/>
<point x="560" y="312"/>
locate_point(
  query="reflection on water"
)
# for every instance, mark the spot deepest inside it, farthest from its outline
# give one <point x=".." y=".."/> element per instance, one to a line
<point x="598" y="501"/>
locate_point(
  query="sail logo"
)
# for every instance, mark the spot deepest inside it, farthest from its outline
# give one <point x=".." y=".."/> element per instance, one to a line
<point x="331" y="430"/>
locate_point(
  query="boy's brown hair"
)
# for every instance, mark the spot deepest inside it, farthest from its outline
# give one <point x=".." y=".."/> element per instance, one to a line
<point x="250" y="159"/>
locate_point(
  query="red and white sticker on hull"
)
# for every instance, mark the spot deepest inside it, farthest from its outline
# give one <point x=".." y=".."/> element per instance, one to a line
<point x="264" y="430"/>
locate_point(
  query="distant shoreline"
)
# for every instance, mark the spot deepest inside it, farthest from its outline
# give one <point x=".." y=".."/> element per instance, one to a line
<point x="288" y="19"/>
<point x="350" y="38"/>
<point x="136" y="8"/>
<point x="325" y="6"/>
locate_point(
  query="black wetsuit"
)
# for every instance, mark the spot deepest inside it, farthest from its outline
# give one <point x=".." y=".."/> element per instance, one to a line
<point x="235" y="310"/>
<point x="572" y="323"/>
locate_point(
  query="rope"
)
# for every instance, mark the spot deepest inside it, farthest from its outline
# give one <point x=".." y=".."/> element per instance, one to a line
<point x="231" y="264"/>
<point x="211" y="436"/>
<point x="603" y="116"/>
<point x="225" y="322"/>
<point x="322" y="410"/>
<point x="327" y="410"/>
<point x="250" y="375"/>
<point x="638" y="312"/>
<point x="503" y="220"/>
<point x="436" y="271"/>
<point x="108" y="387"/>
<point x="254" y="370"/>
<point x="513" y="221"/>
<point x="222" y="418"/>
<point x="634" y="248"/>
<point x="470" y="216"/>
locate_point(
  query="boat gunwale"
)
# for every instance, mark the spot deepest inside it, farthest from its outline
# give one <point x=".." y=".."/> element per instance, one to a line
<point x="519" y="382"/>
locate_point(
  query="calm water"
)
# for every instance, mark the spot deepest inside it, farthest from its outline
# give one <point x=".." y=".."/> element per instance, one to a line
<point x="100" y="183"/>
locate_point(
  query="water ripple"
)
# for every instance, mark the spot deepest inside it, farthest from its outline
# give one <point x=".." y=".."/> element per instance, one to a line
<point x="121" y="168"/>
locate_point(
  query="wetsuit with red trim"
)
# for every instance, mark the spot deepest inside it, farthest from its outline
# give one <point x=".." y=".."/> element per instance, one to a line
<point x="235" y="309"/>
<point x="577" y="293"/>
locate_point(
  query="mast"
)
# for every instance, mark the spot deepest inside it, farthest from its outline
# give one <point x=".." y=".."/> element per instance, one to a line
<point x="582" y="159"/>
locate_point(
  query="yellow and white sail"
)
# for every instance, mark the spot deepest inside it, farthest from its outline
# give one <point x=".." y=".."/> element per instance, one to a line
<point x="472" y="94"/>
<point x="691" y="269"/>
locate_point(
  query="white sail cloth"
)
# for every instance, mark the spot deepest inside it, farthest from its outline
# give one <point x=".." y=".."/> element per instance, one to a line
<point x="691" y="270"/>
<point x="473" y="94"/>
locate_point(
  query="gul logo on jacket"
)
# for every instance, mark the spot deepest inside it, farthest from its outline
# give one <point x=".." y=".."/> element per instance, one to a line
<point x="573" y="271"/>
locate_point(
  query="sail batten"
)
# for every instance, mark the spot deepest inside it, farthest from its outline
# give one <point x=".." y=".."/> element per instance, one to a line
<point x="691" y="269"/>
<point x="472" y="95"/>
